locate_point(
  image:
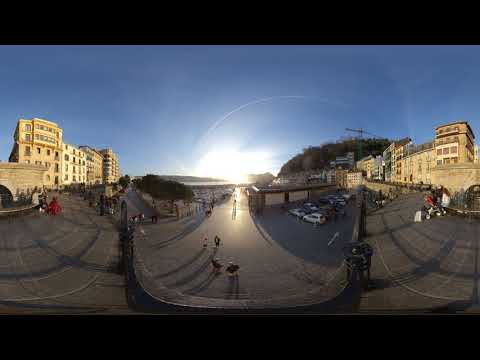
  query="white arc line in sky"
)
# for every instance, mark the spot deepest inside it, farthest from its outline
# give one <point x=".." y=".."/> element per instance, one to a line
<point x="217" y="123"/>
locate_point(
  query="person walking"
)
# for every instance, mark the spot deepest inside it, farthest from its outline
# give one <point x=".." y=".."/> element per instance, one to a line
<point x="205" y="242"/>
<point x="217" y="241"/>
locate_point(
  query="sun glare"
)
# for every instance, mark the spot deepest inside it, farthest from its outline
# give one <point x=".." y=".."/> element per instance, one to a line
<point x="233" y="165"/>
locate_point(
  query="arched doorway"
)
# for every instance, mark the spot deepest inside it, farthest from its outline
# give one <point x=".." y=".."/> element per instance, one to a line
<point x="473" y="197"/>
<point x="6" y="196"/>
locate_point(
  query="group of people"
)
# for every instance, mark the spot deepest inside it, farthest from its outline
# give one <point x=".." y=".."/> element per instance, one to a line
<point x="439" y="197"/>
<point x="231" y="269"/>
<point x="41" y="201"/>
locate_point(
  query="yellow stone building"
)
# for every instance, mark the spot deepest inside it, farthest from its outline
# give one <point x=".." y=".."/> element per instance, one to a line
<point x="111" y="167"/>
<point x="354" y="179"/>
<point x="416" y="166"/>
<point x="39" y="142"/>
<point x="397" y="156"/>
<point x="94" y="165"/>
<point x="454" y="144"/>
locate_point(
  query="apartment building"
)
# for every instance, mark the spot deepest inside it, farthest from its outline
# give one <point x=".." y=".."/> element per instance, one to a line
<point x="111" y="168"/>
<point x="74" y="165"/>
<point x="454" y="144"/>
<point x="401" y="150"/>
<point x="39" y="142"/>
<point x="354" y="179"/>
<point x="417" y="164"/>
<point x="387" y="160"/>
<point x="94" y="162"/>
<point x="341" y="177"/>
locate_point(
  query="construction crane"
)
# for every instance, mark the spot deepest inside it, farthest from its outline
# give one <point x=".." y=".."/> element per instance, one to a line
<point x="361" y="132"/>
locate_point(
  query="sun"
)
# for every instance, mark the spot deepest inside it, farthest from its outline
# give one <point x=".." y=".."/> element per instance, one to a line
<point x="232" y="165"/>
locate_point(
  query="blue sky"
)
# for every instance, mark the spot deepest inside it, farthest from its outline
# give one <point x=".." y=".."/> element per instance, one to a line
<point x="164" y="109"/>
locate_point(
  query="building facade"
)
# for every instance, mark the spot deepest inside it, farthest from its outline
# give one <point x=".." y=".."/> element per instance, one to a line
<point x="39" y="142"/>
<point x="476" y="159"/>
<point x="401" y="150"/>
<point x="387" y="159"/>
<point x="346" y="161"/>
<point x="454" y="144"/>
<point x="111" y="167"/>
<point x="341" y="177"/>
<point x="74" y="165"/>
<point x="417" y="164"/>
<point x="94" y="161"/>
<point x="354" y="179"/>
<point x="378" y="164"/>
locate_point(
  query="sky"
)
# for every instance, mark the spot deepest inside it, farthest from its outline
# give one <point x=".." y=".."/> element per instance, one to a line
<point x="225" y="111"/>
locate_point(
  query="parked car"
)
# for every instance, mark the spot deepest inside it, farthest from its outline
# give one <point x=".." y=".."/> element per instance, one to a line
<point x="315" y="218"/>
<point x="310" y="206"/>
<point x="300" y="213"/>
<point x="323" y="201"/>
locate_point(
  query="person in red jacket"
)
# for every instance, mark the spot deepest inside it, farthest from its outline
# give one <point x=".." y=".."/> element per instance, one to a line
<point x="54" y="207"/>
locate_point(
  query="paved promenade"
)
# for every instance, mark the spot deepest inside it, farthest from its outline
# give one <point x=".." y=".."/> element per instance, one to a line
<point x="433" y="264"/>
<point x="60" y="264"/>
<point x="283" y="261"/>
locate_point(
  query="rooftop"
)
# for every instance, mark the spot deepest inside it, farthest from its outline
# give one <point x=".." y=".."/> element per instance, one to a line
<point x="457" y="122"/>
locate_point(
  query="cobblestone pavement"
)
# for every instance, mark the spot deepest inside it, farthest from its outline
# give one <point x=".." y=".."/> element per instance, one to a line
<point x="60" y="264"/>
<point x="281" y="259"/>
<point x="419" y="266"/>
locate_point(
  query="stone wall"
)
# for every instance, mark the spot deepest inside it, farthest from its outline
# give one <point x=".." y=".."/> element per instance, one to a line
<point x="457" y="176"/>
<point x="21" y="178"/>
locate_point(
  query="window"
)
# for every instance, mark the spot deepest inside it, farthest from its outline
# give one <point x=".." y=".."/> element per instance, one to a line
<point x="445" y="151"/>
<point x="455" y="138"/>
<point x="453" y="150"/>
<point x="66" y="167"/>
<point x="47" y="164"/>
<point x="27" y="151"/>
<point x="27" y="161"/>
<point x="66" y="157"/>
<point x="74" y="156"/>
<point x="28" y="137"/>
<point x="38" y="163"/>
<point x="439" y="162"/>
<point x="38" y="150"/>
<point x="56" y="153"/>
<point x="74" y="178"/>
<point x="455" y="160"/>
<point x="446" y="161"/>
<point x="74" y="169"/>
<point x="66" y="176"/>
<point x="74" y="153"/>
<point x="47" y="178"/>
<point x="28" y="127"/>
<point x="48" y="152"/>
<point x="456" y="129"/>
<point x="57" y="168"/>
<point x="439" y="151"/>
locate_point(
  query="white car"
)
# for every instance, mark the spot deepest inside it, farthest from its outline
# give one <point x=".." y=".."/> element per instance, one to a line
<point x="297" y="212"/>
<point x="315" y="218"/>
<point x="310" y="206"/>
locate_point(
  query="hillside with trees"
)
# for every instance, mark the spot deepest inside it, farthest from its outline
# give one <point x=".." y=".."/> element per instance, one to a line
<point x="163" y="189"/>
<point x="319" y="157"/>
<point x="265" y="178"/>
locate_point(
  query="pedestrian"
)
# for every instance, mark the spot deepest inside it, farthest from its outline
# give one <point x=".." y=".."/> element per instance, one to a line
<point x="217" y="241"/>
<point x="232" y="269"/>
<point x="216" y="265"/>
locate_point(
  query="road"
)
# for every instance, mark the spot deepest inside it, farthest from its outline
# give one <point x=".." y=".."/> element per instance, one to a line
<point x="282" y="261"/>
<point x="61" y="264"/>
<point x="433" y="264"/>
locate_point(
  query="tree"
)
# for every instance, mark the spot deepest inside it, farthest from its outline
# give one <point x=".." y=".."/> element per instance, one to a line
<point x="124" y="181"/>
